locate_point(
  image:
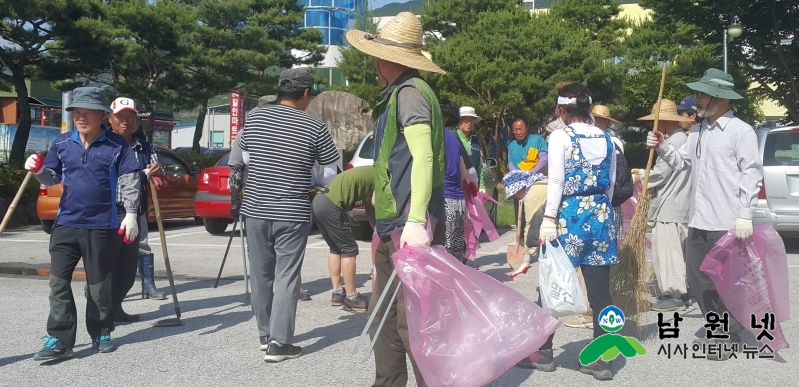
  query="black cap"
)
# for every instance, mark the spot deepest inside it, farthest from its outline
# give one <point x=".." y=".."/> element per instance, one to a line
<point x="296" y="79"/>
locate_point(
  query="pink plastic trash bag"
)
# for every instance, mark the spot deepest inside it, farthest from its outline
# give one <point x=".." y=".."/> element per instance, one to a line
<point x="465" y="328"/>
<point x="477" y="222"/>
<point x="752" y="278"/>
<point x="628" y="209"/>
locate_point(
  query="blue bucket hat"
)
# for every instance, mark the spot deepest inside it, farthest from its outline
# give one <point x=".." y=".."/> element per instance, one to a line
<point x="92" y="98"/>
<point x="516" y="180"/>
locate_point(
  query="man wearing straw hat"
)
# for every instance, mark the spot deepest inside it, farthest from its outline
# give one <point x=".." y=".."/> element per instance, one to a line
<point x="100" y="202"/>
<point x="669" y="210"/>
<point x="409" y="181"/>
<point x="722" y="154"/>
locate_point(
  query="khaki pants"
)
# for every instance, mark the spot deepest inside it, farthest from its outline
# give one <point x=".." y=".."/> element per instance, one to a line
<point x="668" y="247"/>
<point x="535" y="199"/>
<point x="392" y="341"/>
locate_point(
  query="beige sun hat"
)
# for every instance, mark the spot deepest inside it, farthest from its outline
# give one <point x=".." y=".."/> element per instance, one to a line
<point x="603" y="111"/>
<point x="668" y="112"/>
<point x="468" y="111"/>
<point x="399" y="41"/>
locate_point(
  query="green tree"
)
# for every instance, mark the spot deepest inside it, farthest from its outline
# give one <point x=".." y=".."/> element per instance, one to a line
<point x="599" y="18"/>
<point x="147" y="46"/>
<point x="665" y="38"/>
<point x="496" y="68"/>
<point x="768" y="50"/>
<point x="41" y="40"/>
<point x="359" y="68"/>
<point x="445" y="18"/>
<point x="233" y="42"/>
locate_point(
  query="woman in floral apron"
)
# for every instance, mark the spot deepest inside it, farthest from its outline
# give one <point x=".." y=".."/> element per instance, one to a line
<point x="578" y="213"/>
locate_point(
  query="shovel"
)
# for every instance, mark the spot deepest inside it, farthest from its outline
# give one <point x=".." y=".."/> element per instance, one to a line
<point x="516" y="251"/>
<point x="169" y="322"/>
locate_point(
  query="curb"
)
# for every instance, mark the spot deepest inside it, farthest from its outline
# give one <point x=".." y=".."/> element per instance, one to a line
<point x="38" y="271"/>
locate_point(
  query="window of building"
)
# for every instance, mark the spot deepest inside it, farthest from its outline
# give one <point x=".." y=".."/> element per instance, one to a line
<point x="217" y="139"/>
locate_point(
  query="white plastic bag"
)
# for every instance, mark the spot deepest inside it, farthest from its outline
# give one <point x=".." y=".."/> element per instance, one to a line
<point x="558" y="284"/>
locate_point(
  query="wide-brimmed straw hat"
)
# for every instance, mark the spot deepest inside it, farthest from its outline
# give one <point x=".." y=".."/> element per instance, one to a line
<point x="603" y="111"/>
<point x="716" y="83"/>
<point x="399" y="41"/>
<point x="668" y="112"/>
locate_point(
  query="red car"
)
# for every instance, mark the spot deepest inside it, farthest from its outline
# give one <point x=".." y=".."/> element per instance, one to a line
<point x="212" y="200"/>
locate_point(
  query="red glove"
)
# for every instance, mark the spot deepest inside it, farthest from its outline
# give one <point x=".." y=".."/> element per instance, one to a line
<point x="654" y="139"/>
<point x="158" y="181"/>
<point x="472" y="189"/>
<point x="35" y="163"/>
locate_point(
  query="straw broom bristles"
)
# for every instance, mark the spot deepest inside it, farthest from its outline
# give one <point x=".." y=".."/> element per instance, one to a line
<point x="628" y="288"/>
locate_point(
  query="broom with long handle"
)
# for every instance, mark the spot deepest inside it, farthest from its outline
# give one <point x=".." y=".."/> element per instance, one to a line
<point x="628" y="278"/>
<point x="13" y="205"/>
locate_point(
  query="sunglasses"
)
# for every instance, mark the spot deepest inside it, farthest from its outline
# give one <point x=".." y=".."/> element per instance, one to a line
<point x="700" y="95"/>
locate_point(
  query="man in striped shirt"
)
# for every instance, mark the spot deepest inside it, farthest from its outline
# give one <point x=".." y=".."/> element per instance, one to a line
<point x="283" y="142"/>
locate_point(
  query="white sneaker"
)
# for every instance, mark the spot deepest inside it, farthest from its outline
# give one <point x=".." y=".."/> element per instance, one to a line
<point x="580" y="321"/>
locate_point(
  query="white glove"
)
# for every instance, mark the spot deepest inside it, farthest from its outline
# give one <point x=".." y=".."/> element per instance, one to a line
<point x="414" y="234"/>
<point x="654" y="139"/>
<point x="35" y="163"/>
<point x="636" y="178"/>
<point x="129" y="227"/>
<point x="743" y="229"/>
<point x="471" y="175"/>
<point x="483" y="190"/>
<point x="548" y="231"/>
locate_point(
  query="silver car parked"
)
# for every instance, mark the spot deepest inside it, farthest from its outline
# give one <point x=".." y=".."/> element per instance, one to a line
<point x="778" y="200"/>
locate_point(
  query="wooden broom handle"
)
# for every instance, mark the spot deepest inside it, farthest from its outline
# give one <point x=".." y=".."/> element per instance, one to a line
<point x="655" y="128"/>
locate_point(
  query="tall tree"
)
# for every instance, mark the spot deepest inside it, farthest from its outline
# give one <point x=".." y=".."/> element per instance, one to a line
<point x="146" y="41"/>
<point x="445" y="18"/>
<point x="661" y="37"/>
<point x="359" y="68"/>
<point x="491" y="67"/>
<point x="232" y="43"/>
<point x="41" y="39"/>
<point x="768" y="49"/>
<point x="599" y="18"/>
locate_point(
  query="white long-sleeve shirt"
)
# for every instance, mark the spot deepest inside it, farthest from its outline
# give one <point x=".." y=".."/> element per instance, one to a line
<point x="725" y="171"/>
<point x="560" y="150"/>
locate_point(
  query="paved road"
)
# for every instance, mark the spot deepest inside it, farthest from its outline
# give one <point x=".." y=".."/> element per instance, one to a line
<point x="218" y="343"/>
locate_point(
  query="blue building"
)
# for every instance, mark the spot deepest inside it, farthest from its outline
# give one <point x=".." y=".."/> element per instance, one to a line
<point x="333" y="18"/>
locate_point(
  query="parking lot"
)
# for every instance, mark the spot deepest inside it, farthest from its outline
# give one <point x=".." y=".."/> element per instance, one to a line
<point x="218" y="342"/>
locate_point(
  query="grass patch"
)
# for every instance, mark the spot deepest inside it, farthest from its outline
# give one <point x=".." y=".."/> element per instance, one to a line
<point x="505" y="216"/>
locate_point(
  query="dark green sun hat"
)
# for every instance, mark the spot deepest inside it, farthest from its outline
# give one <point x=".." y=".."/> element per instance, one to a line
<point x="716" y="83"/>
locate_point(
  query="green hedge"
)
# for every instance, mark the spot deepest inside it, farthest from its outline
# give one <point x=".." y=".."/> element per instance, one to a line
<point x="637" y="154"/>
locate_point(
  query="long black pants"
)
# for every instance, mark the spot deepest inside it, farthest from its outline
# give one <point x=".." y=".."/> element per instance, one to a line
<point x="597" y="284"/>
<point x="697" y="246"/>
<point x="99" y="249"/>
<point x="124" y="274"/>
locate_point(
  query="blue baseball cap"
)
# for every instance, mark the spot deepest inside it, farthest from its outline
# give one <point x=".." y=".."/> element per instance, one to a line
<point x="688" y="104"/>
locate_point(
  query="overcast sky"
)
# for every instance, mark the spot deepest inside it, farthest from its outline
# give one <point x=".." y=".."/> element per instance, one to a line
<point x="380" y="3"/>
